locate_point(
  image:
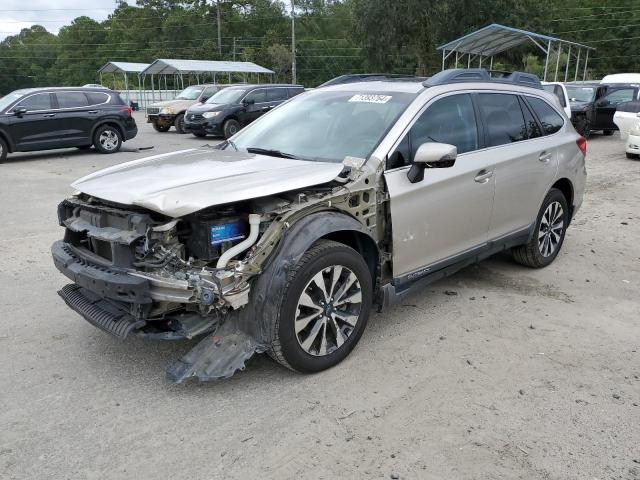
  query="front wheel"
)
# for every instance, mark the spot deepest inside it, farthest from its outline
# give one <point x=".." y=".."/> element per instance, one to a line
<point x="179" y="123"/>
<point x="3" y="150"/>
<point x="551" y="226"/>
<point x="230" y="128"/>
<point x="107" y="139"/>
<point x="324" y="310"/>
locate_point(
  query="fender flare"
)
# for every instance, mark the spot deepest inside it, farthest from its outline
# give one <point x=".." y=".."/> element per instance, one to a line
<point x="7" y="138"/>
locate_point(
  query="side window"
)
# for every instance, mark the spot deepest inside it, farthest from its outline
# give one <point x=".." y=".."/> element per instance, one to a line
<point x="207" y="93"/>
<point x="39" y="101"/>
<point x="295" y="91"/>
<point x="71" y="99"/>
<point x="276" y="94"/>
<point x="550" y="119"/>
<point x="503" y="118"/>
<point x="258" y="96"/>
<point x="618" y="96"/>
<point x="96" y="98"/>
<point x="560" y="94"/>
<point x="533" y="129"/>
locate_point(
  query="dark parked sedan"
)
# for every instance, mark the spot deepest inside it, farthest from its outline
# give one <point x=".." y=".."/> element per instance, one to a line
<point x="48" y="118"/>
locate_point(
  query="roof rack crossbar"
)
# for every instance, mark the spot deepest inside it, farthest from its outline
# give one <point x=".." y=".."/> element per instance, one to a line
<point x="462" y="75"/>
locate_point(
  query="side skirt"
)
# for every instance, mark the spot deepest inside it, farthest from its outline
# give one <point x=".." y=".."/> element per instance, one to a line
<point x="401" y="287"/>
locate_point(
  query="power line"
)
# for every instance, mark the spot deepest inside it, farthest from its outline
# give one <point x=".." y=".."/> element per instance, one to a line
<point x="592" y="16"/>
<point x="598" y="28"/>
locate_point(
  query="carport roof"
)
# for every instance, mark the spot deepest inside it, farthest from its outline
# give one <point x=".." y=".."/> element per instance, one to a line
<point x="169" y="67"/>
<point x="122" y="67"/>
<point x="496" y="38"/>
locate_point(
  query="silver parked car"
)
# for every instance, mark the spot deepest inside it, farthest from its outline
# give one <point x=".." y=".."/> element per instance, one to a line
<point x="282" y="238"/>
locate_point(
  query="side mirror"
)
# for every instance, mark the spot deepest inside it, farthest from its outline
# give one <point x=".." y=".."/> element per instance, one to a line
<point x="20" y="111"/>
<point x="431" y="155"/>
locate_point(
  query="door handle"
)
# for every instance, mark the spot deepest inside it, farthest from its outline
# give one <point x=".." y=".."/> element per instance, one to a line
<point x="48" y="115"/>
<point x="545" y="157"/>
<point x="483" y="176"/>
<point x="92" y="111"/>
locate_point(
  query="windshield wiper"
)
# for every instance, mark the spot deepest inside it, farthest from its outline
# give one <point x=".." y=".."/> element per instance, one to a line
<point x="272" y="153"/>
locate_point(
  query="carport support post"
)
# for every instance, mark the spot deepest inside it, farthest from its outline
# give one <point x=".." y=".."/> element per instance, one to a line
<point x="443" y="57"/>
<point x="153" y="93"/>
<point x="546" y="61"/>
<point x="456" y="59"/>
<point x="126" y="86"/>
<point x="555" y="77"/>
<point x="586" y="61"/>
<point x="491" y="63"/>
<point x="566" y="69"/>
<point x="577" y="65"/>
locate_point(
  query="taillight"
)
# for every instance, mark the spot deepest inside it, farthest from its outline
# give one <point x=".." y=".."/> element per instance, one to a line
<point x="582" y="145"/>
<point x="126" y="109"/>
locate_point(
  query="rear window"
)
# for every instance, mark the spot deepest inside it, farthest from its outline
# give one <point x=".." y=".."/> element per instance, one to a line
<point x="550" y="119"/>
<point x="503" y="118"/>
<point x="71" y="99"/>
<point x="96" y="98"/>
<point x="295" y="91"/>
<point x="276" y="94"/>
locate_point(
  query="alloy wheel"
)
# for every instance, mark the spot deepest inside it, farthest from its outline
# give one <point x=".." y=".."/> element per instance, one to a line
<point x="550" y="231"/>
<point x="328" y="310"/>
<point x="109" y="140"/>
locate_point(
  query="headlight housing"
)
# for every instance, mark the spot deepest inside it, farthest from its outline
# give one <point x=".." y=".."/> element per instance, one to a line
<point x="167" y="111"/>
<point x="210" y="114"/>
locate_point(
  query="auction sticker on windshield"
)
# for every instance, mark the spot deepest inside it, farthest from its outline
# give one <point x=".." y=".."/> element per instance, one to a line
<point x="370" y="98"/>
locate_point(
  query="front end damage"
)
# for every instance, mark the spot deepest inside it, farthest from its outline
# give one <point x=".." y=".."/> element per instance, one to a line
<point x="216" y="271"/>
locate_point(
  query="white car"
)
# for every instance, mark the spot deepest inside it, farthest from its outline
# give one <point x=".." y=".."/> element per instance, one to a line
<point x="560" y="91"/>
<point x="627" y="119"/>
<point x="621" y="78"/>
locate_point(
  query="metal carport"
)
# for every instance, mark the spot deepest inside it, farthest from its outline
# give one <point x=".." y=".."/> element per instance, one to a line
<point x="493" y="39"/>
<point x="124" y="68"/>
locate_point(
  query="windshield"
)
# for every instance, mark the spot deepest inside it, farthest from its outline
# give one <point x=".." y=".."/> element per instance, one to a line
<point x="190" y="93"/>
<point x="9" y="99"/>
<point x="581" y="94"/>
<point x="228" y="95"/>
<point x="326" y="125"/>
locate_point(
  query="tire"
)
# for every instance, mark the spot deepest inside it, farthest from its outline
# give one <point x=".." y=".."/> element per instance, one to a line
<point x="107" y="139"/>
<point x="179" y="123"/>
<point x="4" y="149"/>
<point x="546" y="242"/>
<point x="200" y="134"/>
<point x="230" y="128"/>
<point x="296" y="347"/>
<point x="160" y="128"/>
<point x="607" y="133"/>
<point x="630" y="156"/>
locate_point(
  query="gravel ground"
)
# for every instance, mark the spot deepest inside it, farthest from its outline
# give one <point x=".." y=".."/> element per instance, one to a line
<point x="521" y="374"/>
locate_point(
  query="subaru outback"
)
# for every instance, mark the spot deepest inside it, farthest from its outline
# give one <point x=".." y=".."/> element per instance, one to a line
<point x="283" y="238"/>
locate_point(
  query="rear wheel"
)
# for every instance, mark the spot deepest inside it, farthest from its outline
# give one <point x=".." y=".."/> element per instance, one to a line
<point x="179" y="123"/>
<point x="107" y="139"/>
<point x="3" y="150"/>
<point x="161" y="128"/>
<point x="230" y="128"/>
<point x="324" y="310"/>
<point x="548" y="236"/>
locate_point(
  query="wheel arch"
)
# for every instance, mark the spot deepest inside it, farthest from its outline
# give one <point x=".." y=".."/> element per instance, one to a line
<point x="113" y="123"/>
<point x="566" y="187"/>
<point x="7" y="140"/>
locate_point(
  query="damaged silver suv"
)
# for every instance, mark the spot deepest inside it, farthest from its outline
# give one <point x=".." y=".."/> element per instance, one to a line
<point x="281" y="239"/>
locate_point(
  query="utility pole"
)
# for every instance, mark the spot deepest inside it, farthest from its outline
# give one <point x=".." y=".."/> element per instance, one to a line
<point x="293" y="43"/>
<point x="219" y="31"/>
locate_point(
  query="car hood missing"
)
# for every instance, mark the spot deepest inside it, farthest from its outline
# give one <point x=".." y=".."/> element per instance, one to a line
<point x="183" y="182"/>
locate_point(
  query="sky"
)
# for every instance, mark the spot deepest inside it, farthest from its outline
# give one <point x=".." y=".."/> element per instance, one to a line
<point x="51" y="14"/>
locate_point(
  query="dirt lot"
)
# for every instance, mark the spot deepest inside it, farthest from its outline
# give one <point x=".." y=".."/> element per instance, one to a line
<point x="521" y="374"/>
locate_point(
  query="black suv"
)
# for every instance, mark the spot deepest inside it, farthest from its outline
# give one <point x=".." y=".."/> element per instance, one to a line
<point x="594" y="104"/>
<point x="226" y="112"/>
<point x="61" y="117"/>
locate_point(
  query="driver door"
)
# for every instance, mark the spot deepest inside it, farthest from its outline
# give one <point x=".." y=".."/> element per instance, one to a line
<point x="35" y="129"/>
<point x="437" y="220"/>
<point x="606" y="106"/>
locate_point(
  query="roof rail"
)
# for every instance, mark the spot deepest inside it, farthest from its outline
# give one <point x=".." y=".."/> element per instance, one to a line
<point x="464" y="75"/>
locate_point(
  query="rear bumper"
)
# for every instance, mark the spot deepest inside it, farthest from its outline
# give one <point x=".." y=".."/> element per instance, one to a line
<point x="105" y="282"/>
<point x="130" y="133"/>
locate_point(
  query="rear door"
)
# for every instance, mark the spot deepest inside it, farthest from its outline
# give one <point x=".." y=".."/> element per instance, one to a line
<point x="607" y="104"/>
<point x="523" y="159"/>
<point x="75" y="117"/>
<point x="35" y="129"/>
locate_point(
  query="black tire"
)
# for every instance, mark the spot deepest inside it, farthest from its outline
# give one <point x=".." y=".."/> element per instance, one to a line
<point x="583" y="126"/>
<point x="607" y="133"/>
<point x="179" y="123"/>
<point x="4" y="149"/>
<point x="230" y="128"/>
<point x="107" y="139"/>
<point x="630" y="156"/>
<point x="322" y="258"/>
<point x="535" y="253"/>
<point x="160" y="128"/>
<point x="199" y="134"/>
